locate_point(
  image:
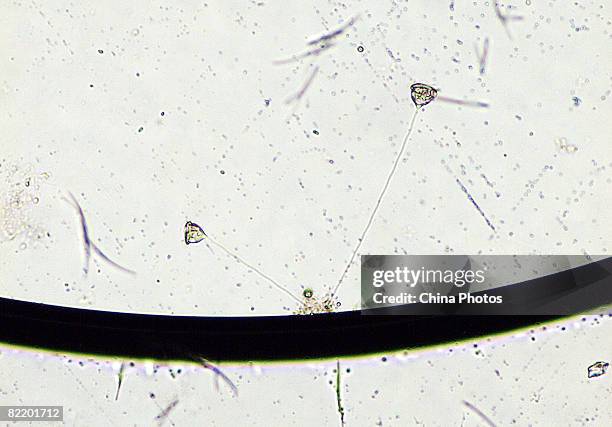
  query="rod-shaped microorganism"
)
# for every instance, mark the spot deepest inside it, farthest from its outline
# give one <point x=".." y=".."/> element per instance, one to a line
<point x="120" y="379"/>
<point x="300" y="93"/>
<point x="163" y="415"/>
<point x="315" y="47"/>
<point x="195" y="234"/>
<point x="505" y="18"/>
<point x="309" y="52"/>
<point x="219" y="374"/>
<point x="88" y="244"/>
<point x="335" y="33"/>
<point x="482" y="59"/>
<point x="471" y="199"/>
<point x="338" y="393"/>
<point x="322" y="43"/>
<point x="478" y="412"/>
<point x="462" y="102"/>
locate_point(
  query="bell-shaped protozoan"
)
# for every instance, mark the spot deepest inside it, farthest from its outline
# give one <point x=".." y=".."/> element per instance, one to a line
<point x="422" y="94"/>
<point x="193" y="233"/>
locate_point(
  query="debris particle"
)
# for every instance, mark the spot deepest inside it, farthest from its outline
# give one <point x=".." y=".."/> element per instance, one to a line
<point x="563" y="145"/>
<point x="19" y="196"/>
<point x="597" y="369"/>
<point x="312" y="305"/>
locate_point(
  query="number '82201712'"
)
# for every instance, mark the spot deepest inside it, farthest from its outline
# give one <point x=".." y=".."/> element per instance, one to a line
<point x="31" y="413"/>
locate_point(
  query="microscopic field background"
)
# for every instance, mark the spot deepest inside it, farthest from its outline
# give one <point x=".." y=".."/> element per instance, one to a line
<point x="153" y="114"/>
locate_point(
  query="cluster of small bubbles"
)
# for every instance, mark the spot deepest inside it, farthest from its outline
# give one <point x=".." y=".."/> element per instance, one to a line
<point x="19" y="195"/>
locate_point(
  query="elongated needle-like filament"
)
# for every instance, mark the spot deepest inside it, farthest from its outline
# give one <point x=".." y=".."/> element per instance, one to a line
<point x="378" y="201"/>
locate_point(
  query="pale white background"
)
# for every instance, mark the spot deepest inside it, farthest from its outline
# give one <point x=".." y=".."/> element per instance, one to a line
<point x="291" y="202"/>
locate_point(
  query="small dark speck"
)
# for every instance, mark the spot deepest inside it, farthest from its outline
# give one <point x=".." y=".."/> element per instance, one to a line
<point x="140" y="129"/>
<point x="222" y="172"/>
<point x="90" y="85"/>
<point x="577" y="101"/>
<point x="100" y="51"/>
<point x="360" y="49"/>
<point x="163" y="114"/>
<point x="267" y="101"/>
<point x="331" y="162"/>
<point x="137" y="74"/>
<point x="316" y="132"/>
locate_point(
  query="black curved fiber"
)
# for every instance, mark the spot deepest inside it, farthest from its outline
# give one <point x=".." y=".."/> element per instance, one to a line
<point x="234" y="338"/>
<point x="343" y="334"/>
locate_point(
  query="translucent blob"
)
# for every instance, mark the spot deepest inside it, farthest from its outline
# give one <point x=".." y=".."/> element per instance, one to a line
<point x="19" y="196"/>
